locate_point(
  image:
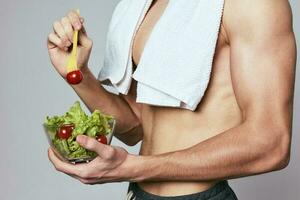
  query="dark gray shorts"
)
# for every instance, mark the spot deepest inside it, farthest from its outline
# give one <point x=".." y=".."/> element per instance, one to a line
<point x="221" y="191"/>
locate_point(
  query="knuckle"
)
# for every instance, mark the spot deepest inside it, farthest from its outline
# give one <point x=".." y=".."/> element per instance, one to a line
<point x="64" y="20"/>
<point x="75" y="13"/>
<point x="56" y="23"/>
<point x="49" y="36"/>
<point x="71" y="15"/>
<point x="60" y="44"/>
<point x="64" y="38"/>
<point x="91" y="144"/>
<point x="69" y="32"/>
<point x="109" y="153"/>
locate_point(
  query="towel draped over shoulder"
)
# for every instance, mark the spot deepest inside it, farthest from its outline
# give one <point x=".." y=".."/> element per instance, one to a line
<point x="175" y="66"/>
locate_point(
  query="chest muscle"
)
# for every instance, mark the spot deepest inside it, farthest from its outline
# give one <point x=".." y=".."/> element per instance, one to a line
<point x="142" y="35"/>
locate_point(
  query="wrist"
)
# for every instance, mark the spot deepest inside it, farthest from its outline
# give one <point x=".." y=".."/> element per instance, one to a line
<point x="85" y="70"/>
<point x="86" y="73"/>
<point x="138" y="168"/>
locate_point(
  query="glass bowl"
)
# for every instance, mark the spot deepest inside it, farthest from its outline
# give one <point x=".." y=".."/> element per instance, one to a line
<point x="63" y="155"/>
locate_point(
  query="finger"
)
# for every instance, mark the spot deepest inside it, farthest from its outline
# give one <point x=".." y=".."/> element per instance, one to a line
<point x="55" y="41"/>
<point x="75" y="20"/>
<point x="81" y="19"/>
<point x="83" y="31"/>
<point x="89" y="181"/>
<point x="63" y="166"/>
<point x="104" y="151"/>
<point x="67" y="28"/>
<point x="59" y="30"/>
<point x="83" y="39"/>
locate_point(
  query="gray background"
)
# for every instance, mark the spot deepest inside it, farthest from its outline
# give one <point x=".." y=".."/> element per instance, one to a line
<point x="30" y="89"/>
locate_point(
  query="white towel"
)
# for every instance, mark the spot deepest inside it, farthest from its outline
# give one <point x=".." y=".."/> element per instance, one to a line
<point x="175" y="66"/>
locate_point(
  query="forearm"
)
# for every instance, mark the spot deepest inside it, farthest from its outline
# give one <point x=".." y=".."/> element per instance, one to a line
<point x="241" y="151"/>
<point x="96" y="97"/>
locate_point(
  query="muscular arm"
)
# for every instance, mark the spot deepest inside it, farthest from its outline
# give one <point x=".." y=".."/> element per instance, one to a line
<point x="96" y="97"/>
<point x="263" y="55"/>
<point x="90" y="90"/>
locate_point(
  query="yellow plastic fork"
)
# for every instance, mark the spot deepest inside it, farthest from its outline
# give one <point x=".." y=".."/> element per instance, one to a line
<point x="72" y="60"/>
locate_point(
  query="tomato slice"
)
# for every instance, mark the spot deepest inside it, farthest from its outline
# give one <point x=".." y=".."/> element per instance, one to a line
<point x="65" y="131"/>
<point x="74" y="77"/>
<point x="102" y="139"/>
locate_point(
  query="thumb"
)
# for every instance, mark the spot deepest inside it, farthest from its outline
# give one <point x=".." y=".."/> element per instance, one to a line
<point x="83" y="38"/>
<point x="104" y="151"/>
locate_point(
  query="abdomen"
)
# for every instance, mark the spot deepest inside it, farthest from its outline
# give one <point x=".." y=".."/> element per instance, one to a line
<point x="171" y="129"/>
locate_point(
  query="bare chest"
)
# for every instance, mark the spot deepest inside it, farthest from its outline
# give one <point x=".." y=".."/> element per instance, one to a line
<point x="141" y="37"/>
<point x="144" y="30"/>
<point x="139" y="41"/>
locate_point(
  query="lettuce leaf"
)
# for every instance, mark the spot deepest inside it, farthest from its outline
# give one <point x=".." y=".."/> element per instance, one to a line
<point x="95" y="124"/>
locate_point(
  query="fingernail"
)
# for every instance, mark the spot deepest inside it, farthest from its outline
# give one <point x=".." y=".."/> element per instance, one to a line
<point x="66" y="48"/>
<point x="81" y="20"/>
<point x="68" y="43"/>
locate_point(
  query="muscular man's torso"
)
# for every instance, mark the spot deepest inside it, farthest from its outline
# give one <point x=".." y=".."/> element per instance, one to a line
<point x="170" y="129"/>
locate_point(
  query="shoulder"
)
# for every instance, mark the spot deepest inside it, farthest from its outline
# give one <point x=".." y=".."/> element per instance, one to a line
<point x="257" y="17"/>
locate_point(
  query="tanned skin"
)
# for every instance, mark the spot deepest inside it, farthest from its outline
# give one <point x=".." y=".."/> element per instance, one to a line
<point x="242" y="126"/>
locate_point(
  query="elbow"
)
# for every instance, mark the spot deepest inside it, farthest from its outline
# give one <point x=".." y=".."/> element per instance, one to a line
<point x="128" y="139"/>
<point x="281" y="151"/>
<point x="275" y="155"/>
<point x="282" y="157"/>
<point x="282" y="162"/>
<point x="131" y="137"/>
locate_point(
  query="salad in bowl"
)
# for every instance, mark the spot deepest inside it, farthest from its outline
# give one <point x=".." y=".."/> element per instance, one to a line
<point x="62" y="131"/>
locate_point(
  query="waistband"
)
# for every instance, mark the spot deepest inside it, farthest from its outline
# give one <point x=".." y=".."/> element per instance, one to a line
<point x="220" y="187"/>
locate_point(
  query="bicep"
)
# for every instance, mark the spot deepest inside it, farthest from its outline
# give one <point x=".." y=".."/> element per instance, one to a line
<point x="263" y="55"/>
